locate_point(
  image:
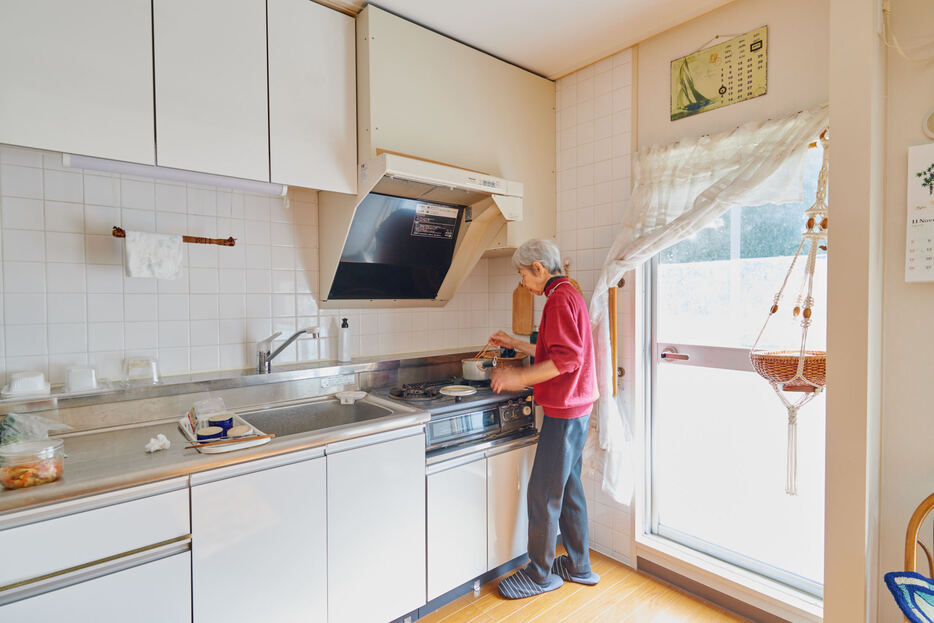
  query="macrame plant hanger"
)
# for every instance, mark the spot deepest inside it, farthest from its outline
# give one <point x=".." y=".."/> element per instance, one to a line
<point x="799" y="371"/>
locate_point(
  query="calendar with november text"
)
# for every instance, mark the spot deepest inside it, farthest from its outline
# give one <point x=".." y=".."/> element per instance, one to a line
<point x="919" y="248"/>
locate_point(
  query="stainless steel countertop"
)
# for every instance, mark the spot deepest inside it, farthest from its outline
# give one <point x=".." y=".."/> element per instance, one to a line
<point x="108" y="460"/>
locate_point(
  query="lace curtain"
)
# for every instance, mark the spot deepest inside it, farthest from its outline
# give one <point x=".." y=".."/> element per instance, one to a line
<point x="679" y="189"/>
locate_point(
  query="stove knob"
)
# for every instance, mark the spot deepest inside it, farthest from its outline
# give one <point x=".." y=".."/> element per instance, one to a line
<point x="526" y="410"/>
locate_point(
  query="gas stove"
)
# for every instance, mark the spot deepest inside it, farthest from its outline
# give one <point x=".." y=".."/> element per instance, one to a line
<point x="461" y="421"/>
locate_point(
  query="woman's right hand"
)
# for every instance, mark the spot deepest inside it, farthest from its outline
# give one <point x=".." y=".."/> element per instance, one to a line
<point x="501" y="338"/>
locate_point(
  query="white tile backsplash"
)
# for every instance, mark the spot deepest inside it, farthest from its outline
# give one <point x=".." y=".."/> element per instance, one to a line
<point x="202" y="306"/>
<point x="67" y="306"/>
<point x="23" y="277"/>
<point x="63" y="185"/>
<point x="66" y="301"/>
<point x="25" y="308"/>
<point x="16" y="181"/>
<point x="594" y="110"/>
<point x="140" y="307"/>
<point x="64" y="247"/>
<point x="140" y="335"/>
<point x="105" y="307"/>
<point x="173" y="333"/>
<point x="171" y="198"/>
<point x="27" y="339"/>
<point x="68" y="338"/>
<point x="102" y="190"/>
<point x="105" y="336"/>
<point x="22" y="213"/>
<point x="137" y="194"/>
<point x="23" y="246"/>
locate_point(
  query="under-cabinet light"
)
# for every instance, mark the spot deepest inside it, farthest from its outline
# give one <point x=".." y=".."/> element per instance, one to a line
<point x="75" y="161"/>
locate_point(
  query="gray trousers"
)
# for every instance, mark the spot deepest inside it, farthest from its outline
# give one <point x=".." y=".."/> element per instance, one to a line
<point x="556" y="497"/>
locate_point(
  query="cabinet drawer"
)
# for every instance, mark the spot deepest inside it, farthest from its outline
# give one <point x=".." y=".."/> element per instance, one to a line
<point x="154" y="592"/>
<point x="81" y="536"/>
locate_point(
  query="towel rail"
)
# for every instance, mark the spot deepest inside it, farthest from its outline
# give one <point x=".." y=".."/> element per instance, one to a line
<point x="119" y="232"/>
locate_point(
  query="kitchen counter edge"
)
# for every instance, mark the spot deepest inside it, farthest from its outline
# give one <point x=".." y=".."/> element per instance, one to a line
<point x="89" y="472"/>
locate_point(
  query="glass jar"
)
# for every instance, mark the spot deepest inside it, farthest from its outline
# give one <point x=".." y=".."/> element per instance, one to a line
<point x="29" y="463"/>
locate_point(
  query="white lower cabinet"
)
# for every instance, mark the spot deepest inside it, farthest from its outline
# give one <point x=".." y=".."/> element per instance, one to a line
<point x="259" y="541"/>
<point x="376" y="527"/>
<point x="153" y="592"/>
<point x="457" y="517"/>
<point x="507" y="504"/>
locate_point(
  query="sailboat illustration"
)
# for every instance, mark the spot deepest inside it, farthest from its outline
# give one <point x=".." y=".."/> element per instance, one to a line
<point x="689" y="100"/>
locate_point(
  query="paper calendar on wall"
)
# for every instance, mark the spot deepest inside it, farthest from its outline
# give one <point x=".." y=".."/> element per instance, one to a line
<point x="919" y="249"/>
<point x="720" y="75"/>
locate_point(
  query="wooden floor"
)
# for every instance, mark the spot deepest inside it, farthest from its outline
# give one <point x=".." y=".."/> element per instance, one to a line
<point x="621" y="595"/>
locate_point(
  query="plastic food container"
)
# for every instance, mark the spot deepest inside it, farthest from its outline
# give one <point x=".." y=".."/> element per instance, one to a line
<point x="29" y="463"/>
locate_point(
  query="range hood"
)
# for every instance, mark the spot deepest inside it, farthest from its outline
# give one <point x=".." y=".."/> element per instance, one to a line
<point x="412" y="233"/>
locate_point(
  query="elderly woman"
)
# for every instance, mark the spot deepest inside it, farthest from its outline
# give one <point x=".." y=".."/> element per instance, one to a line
<point x="565" y="386"/>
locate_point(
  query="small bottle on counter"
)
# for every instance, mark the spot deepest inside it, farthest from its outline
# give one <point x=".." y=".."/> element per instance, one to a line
<point x="533" y="338"/>
<point x="343" y="341"/>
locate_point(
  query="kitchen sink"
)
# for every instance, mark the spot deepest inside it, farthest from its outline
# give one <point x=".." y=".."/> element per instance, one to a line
<point x="313" y="416"/>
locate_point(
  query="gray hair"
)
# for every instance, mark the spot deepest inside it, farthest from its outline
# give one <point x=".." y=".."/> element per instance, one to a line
<point x="538" y="250"/>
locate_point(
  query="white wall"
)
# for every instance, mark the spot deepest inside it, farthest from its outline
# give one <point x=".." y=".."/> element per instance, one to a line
<point x="907" y="391"/>
<point x="798" y="52"/>
<point x="596" y="112"/>
<point x="66" y="301"/>
<point x="797" y="66"/>
<point x="594" y="107"/>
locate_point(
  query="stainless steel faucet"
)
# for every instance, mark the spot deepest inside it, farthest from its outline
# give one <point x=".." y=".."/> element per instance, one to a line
<point x="264" y="357"/>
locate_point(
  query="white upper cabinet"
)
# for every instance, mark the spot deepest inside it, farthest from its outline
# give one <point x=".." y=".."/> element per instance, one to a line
<point x="312" y="96"/>
<point x="424" y="95"/>
<point x="77" y="77"/>
<point x="210" y="76"/>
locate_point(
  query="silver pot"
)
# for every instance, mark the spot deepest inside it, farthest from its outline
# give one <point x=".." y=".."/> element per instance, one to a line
<point x="478" y="369"/>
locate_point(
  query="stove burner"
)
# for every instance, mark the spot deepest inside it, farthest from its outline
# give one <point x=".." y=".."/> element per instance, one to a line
<point x="477" y="384"/>
<point x="415" y="392"/>
<point x="428" y="390"/>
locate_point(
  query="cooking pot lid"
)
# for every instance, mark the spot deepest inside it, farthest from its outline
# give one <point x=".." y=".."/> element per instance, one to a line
<point x="458" y="390"/>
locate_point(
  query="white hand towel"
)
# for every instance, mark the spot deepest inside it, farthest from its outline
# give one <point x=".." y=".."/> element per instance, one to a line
<point x="153" y="255"/>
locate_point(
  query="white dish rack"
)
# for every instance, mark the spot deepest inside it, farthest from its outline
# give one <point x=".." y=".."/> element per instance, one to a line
<point x="185" y="426"/>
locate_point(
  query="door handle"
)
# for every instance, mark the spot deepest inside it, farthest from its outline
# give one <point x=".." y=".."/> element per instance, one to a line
<point x="672" y="353"/>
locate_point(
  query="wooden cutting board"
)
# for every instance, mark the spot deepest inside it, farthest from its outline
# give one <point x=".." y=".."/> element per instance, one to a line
<point x="572" y="281"/>
<point x="522" y="310"/>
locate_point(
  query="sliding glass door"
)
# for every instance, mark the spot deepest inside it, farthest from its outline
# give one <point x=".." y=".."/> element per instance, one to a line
<point x="717" y="432"/>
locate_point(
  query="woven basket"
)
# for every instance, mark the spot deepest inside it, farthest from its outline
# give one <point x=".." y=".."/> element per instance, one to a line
<point x="780" y="366"/>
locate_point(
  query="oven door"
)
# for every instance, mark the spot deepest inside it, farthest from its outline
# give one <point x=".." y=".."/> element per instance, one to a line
<point x="449" y="430"/>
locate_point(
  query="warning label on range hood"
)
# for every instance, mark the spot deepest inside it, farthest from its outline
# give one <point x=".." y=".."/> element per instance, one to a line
<point x="434" y="221"/>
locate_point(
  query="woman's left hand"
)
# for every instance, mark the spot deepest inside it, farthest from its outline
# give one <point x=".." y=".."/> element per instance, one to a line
<point x="506" y="380"/>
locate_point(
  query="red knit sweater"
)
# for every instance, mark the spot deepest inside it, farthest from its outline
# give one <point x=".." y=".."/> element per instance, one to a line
<point x="565" y="338"/>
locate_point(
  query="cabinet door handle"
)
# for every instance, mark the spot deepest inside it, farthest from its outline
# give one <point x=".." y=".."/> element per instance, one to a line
<point x="672" y="353"/>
